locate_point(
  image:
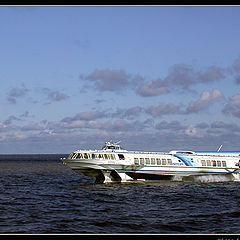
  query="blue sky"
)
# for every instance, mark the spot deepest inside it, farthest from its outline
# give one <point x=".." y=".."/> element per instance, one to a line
<point x="155" y="78"/>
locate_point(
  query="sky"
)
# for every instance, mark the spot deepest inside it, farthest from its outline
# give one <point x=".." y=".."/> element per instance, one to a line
<point x="156" y="78"/>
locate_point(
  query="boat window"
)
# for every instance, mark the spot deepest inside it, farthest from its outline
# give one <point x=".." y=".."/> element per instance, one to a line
<point x="93" y="156"/>
<point x="214" y="163"/>
<point x="208" y="163"/>
<point x="147" y="160"/>
<point x="142" y="161"/>
<point x="100" y="155"/>
<point x="111" y="147"/>
<point x="78" y="155"/>
<point x="112" y="156"/>
<point x="219" y="163"/>
<point x="85" y="155"/>
<point x="106" y="156"/>
<point x="121" y="156"/>
<point x="74" y="156"/>
<point x="224" y="163"/>
<point x="169" y="161"/>
<point x="153" y="161"/>
<point x="164" y="162"/>
<point x="70" y="156"/>
<point x="136" y="161"/>
<point x="158" y="161"/>
<point x="203" y="162"/>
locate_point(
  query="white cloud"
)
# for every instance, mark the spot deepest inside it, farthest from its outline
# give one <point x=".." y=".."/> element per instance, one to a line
<point x="153" y="88"/>
<point x="206" y="99"/>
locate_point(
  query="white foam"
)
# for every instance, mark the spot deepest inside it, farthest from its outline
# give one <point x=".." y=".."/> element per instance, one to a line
<point x="177" y="178"/>
<point x="206" y="178"/>
<point x="213" y="178"/>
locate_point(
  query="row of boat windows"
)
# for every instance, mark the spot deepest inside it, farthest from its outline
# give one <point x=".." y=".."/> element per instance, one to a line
<point x="214" y="163"/>
<point x="158" y="161"/>
<point x="152" y="161"/>
<point x="91" y="156"/>
<point x="142" y="161"/>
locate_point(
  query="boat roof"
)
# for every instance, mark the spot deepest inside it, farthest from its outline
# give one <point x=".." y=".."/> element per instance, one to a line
<point x="219" y="153"/>
<point x="111" y="146"/>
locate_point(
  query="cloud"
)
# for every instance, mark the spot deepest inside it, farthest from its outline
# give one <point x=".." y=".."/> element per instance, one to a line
<point x="8" y="123"/>
<point x="237" y="80"/>
<point x="233" y="106"/>
<point x="235" y="70"/>
<point x="85" y="116"/>
<point x="75" y="124"/>
<point x="108" y="80"/>
<point x="91" y="120"/>
<point x="191" y="130"/>
<point x="236" y="65"/>
<point x="162" y="109"/>
<point x="170" y="126"/>
<point x="121" y="125"/>
<point x="212" y="74"/>
<point x="15" y="93"/>
<point x="227" y="126"/>
<point x="153" y="88"/>
<point x="10" y="119"/>
<point x="127" y="113"/>
<point x="142" y="135"/>
<point x="31" y="127"/>
<point x="206" y="99"/>
<point x="185" y="76"/>
<point x="54" y="96"/>
<point x="6" y="128"/>
<point x="181" y="77"/>
<point x="26" y="114"/>
<point x="202" y="125"/>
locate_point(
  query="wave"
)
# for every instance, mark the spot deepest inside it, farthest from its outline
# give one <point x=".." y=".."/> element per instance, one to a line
<point x="206" y="178"/>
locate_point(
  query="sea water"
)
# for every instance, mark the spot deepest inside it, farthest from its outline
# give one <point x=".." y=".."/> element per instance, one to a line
<point x="40" y="195"/>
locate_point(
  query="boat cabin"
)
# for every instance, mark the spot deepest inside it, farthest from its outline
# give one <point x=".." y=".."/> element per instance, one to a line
<point x="112" y="146"/>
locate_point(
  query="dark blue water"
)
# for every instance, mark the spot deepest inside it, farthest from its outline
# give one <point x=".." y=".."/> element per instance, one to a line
<point x="39" y="195"/>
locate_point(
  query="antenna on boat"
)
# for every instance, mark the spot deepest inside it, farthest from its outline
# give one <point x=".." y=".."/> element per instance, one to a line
<point x="219" y="148"/>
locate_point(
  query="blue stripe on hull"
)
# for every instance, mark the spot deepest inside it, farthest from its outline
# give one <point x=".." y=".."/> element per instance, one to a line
<point x="160" y="171"/>
<point x="188" y="161"/>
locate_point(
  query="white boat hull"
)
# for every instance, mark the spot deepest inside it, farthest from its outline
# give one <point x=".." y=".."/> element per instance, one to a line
<point x="114" y="164"/>
<point x="125" y="173"/>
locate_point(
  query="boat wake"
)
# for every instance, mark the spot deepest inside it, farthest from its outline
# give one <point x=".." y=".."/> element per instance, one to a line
<point x="210" y="178"/>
